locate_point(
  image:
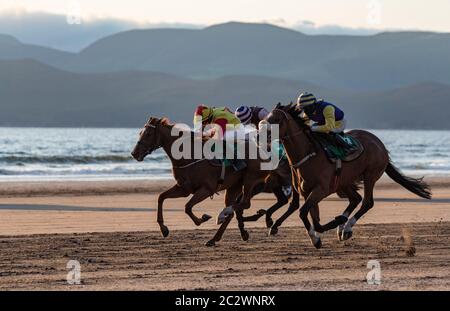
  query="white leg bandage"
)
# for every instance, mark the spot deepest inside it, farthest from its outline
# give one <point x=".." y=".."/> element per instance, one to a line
<point x="227" y="211"/>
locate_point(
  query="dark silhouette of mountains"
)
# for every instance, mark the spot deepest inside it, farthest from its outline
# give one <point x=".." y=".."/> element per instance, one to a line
<point x="386" y="60"/>
<point x="389" y="80"/>
<point x="34" y="94"/>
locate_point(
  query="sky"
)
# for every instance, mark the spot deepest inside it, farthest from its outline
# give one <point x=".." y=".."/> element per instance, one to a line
<point x="380" y="14"/>
<point x="47" y="21"/>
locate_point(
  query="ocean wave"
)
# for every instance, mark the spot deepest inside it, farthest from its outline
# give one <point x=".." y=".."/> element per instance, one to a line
<point x="86" y="171"/>
<point x="71" y="159"/>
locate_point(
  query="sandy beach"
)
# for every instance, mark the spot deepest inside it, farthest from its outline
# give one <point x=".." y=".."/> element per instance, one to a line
<point x="99" y="223"/>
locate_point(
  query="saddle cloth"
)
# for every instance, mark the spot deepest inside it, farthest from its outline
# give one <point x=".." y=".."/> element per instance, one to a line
<point x="335" y="150"/>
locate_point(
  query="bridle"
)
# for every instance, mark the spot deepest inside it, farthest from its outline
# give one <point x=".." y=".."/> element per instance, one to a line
<point x="140" y="143"/>
<point x="308" y="156"/>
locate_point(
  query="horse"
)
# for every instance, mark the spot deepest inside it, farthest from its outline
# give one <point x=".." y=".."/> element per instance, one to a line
<point x="200" y="177"/>
<point x="317" y="179"/>
<point x="278" y="177"/>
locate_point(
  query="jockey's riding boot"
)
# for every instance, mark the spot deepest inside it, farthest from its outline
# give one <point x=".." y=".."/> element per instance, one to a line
<point x="335" y="139"/>
<point x="239" y="164"/>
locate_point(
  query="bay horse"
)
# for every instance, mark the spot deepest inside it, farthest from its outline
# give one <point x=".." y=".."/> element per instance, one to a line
<point x="200" y="177"/>
<point x="317" y="179"/>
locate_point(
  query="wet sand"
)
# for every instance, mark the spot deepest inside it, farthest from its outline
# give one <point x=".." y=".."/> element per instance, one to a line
<point x="114" y="235"/>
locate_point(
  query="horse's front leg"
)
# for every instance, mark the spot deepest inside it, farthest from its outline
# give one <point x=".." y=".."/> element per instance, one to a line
<point x="293" y="206"/>
<point x="174" y="192"/>
<point x="218" y="236"/>
<point x="282" y="199"/>
<point x="199" y="195"/>
<point x="311" y="202"/>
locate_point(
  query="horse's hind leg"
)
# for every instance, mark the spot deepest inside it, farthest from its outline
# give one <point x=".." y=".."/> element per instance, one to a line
<point x="248" y="191"/>
<point x="295" y="205"/>
<point x="354" y="199"/>
<point x="198" y="197"/>
<point x="367" y="204"/>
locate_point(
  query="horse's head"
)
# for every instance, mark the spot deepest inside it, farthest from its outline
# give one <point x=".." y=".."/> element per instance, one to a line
<point x="149" y="140"/>
<point x="282" y="115"/>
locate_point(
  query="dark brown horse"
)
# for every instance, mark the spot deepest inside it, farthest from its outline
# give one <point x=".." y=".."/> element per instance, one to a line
<point x="200" y="177"/>
<point x="317" y="178"/>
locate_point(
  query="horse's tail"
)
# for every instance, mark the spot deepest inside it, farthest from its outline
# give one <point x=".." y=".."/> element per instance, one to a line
<point x="415" y="185"/>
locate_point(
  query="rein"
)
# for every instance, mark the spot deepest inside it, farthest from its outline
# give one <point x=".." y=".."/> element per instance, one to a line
<point x="189" y="164"/>
<point x="159" y="146"/>
<point x="308" y="156"/>
<point x="335" y="181"/>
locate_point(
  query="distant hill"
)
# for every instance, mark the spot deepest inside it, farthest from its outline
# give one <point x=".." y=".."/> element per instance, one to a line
<point x="11" y="49"/>
<point x="356" y="63"/>
<point x="34" y="94"/>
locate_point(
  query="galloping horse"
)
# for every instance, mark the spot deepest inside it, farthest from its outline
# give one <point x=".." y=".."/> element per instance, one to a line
<point x="200" y="177"/>
<point x="317" y="177"/>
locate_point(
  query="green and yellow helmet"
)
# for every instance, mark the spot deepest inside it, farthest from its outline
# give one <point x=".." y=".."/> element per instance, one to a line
<point x="306" y="99"/>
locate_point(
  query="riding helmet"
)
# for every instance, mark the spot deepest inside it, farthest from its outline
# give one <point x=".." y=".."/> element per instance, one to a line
<point x="244" y="114"/>
<point x="306" y="99"/>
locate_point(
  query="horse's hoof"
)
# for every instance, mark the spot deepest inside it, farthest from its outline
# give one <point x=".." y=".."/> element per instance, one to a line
<point x="346" y="235"/>
<point x="261" y="212"/>
<point x="164" y="231"/>
<point x="318" y="244"/>
<point x="211" y="243"/>
<point x="273" y="231"/>
<point x="339" y="235"/>
<point x="224" y="214"/>
<point x="269" y="223"/>
<point x="339" y="231"/>
<point x="245" y="236"/>
<point x="341" y="219"/>
<point x="206" y="217"/>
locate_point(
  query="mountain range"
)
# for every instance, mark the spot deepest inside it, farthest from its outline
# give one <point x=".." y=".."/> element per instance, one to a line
<point x="388" y="80"/>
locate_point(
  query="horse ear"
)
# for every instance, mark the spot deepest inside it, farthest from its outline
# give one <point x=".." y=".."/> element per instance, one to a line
<point x="278" y="106"/>
<point x="164" y="121"/>
<point x="150" y="120"/>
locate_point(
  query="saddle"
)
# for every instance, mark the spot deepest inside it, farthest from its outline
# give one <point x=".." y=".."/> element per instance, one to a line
<point x="339" y="146"/>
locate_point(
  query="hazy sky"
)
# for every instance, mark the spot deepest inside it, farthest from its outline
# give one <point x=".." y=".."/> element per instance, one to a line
<point x="379" y="14"/>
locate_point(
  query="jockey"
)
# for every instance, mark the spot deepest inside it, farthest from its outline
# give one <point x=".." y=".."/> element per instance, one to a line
<point x="327" y="117"/>
<point x="221" y="117"/>
<point x="210" y="115"/>
<point x="251" y="115"/>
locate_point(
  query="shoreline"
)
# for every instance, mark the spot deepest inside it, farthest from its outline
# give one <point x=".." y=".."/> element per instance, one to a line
<point x="134" y="186"/>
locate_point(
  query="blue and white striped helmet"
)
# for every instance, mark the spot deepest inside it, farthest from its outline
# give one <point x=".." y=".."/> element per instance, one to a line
<point x="306" y="99"/>
<point x="243" y="113"/>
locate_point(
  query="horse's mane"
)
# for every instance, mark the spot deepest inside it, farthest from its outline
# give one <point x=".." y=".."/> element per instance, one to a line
<point x="166" y="122"/>
<point x="292" y="110"/>
<point x="162" y="121"/>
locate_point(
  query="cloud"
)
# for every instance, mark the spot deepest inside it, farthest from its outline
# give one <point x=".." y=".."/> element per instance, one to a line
<point x="310" y="28"/>
<point x="54" y="31"/>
